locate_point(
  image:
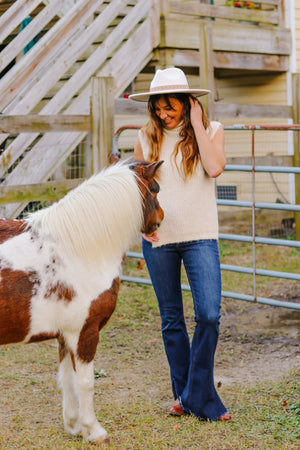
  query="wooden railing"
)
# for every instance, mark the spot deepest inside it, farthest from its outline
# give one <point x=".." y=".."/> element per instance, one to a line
<point x="264" y="12"/>
<point x="100" y="117"/>
<point x="93" y="38"/>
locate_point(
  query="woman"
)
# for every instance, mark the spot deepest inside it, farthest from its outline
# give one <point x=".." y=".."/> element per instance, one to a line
<point x="192" y="148"/>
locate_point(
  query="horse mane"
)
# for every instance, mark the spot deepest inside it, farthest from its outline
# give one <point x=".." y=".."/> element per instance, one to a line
<point x="98" y="219"/>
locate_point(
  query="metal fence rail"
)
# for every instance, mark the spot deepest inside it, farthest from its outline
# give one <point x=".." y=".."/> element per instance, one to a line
<point x="233" y="295"/>
<point x="252" y="239"/>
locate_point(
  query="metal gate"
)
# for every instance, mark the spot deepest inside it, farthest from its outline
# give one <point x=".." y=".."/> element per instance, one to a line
<point x="254" y="162"/>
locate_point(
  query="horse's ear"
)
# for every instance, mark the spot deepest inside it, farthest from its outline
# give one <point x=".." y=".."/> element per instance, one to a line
<point x="151" y="169"/>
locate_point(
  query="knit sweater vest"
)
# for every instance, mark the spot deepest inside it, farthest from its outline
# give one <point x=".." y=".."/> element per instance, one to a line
<point x="189" y="206"/>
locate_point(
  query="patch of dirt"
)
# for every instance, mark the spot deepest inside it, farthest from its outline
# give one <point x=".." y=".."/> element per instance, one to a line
<point x="257" y="343"/>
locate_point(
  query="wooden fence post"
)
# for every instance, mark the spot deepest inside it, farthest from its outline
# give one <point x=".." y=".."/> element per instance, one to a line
<point x="102" y="121"/>
<point x="206" y="68"/>
<point x="296" y="159"/>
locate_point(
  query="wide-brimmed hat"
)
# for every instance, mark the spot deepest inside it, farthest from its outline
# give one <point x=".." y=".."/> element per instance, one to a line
<point x="168" y="81"/>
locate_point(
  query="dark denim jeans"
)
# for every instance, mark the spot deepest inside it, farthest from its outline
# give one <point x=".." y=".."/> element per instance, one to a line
<point x="191" y="365"/>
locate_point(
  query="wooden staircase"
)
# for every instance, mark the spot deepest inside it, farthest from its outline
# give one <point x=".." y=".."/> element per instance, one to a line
<point x="77" y="40"/>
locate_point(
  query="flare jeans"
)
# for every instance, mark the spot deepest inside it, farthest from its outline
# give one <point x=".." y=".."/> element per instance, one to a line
<point x="191" y="364"/>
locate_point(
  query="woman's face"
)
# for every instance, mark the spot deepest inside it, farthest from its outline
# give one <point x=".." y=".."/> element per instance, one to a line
<point x="170" y="114"/>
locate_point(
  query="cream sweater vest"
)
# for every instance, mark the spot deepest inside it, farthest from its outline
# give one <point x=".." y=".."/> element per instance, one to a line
<point x="190" y="207"/>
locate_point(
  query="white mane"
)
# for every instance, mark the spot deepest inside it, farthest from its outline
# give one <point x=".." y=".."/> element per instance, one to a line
<point x="96" y="220"/>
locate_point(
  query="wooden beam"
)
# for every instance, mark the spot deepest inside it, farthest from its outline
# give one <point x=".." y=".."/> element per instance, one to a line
<point x="195" y="8"/>
<point x="226" y="60"/>
<point x="102" y="118"/>
<point x="231" y="37"/>
<point x="44" y="123"/>
<point x="227" y="36"/>
<point x="240" y="110"/>
<point x="296" y="117"/>
<point x="206" y="69"/>
<point x="250" y="61"/>
<point x="127" y="106"/>
<point x="182" y="57"/>
<point x="49" y="191"/>
<point x="31" y="31"/>
<point x="12" y="17"/>
<point x="45" y="55"/>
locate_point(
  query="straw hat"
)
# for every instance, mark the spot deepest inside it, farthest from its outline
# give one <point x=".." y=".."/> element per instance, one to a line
<point x="168" y="81"/>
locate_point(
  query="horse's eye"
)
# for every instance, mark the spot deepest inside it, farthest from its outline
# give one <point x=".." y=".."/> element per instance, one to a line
<point x="154" y="187"/>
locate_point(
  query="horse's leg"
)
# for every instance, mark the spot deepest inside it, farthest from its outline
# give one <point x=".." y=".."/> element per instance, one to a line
<point x="90" y="427"/>
<point x="100" y="311"/>
<point x="67" y="382"/>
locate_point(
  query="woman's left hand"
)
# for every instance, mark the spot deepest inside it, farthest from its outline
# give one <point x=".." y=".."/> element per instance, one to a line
<point x="151" y="238"/>
<point x="196" y="113"/>
<point x="212" y="152"/>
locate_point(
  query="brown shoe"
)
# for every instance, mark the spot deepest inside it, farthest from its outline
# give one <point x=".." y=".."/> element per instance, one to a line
<point x="225" y="418"/>
<point x="176" y="409"/>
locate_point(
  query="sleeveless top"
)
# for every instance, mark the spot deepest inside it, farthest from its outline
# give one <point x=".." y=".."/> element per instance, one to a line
<point x="189" y="206"/>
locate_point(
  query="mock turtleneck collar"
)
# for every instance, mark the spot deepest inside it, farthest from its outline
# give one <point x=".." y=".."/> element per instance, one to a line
<point x="175" y="130"/>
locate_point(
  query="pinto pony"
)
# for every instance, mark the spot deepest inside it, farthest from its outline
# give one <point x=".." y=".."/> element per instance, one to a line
<point x="59" y="275"/>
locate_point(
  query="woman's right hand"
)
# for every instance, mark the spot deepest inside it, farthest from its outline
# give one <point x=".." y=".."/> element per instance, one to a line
<point x="151" y="238"/>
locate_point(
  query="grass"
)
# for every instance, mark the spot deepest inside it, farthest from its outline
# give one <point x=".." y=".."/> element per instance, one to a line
<point x="132" y="387"/>
<point x="266" y="416"/>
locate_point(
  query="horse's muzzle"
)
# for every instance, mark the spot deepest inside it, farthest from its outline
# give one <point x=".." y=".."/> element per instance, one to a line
<point x="151" y="228"/>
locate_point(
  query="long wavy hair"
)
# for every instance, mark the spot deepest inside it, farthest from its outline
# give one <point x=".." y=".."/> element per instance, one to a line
<point x="187" y="144"/>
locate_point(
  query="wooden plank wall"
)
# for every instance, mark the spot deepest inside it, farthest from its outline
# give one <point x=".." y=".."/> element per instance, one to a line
<point x="249" y="61"/>
<point x="297" y="33"/>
